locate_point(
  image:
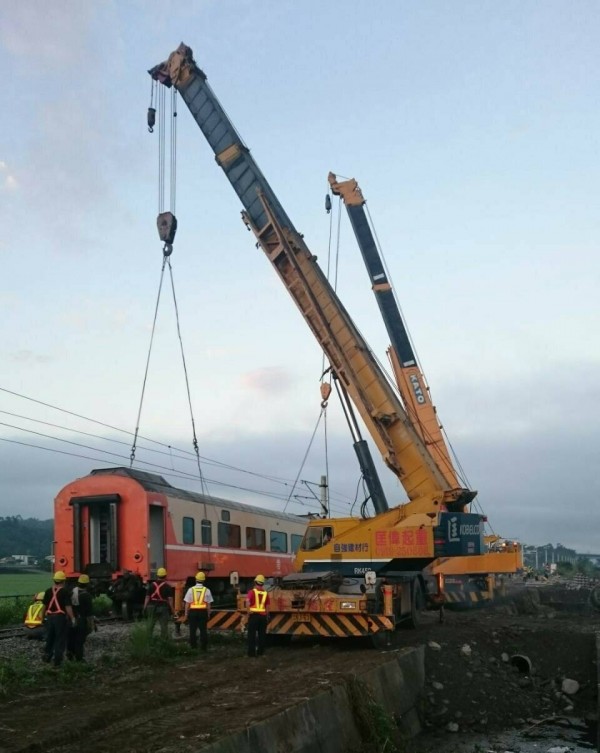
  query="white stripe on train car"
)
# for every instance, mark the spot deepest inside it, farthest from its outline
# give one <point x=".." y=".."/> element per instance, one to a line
<point x="223" y="550"/>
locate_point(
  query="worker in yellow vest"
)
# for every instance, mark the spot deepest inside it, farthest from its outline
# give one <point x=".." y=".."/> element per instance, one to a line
<point x="197" y="602"/>
<point x="258" y="614"/>
<point x="34" y="619"/>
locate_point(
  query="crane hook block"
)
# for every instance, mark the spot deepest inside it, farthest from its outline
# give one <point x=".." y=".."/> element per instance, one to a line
<point x="325" y="392"/>
<point x="151" y="119"/>
<point x="327" y="203"/>
<point x="167" y="227"/>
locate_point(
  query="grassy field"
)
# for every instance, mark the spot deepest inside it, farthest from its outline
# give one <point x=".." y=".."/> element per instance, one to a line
<point x="24" y="583"/>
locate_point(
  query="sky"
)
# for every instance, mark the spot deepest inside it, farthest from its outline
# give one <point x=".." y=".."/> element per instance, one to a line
<point x="472" y="129"/>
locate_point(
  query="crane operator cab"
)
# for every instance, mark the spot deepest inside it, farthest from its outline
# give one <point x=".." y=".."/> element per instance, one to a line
<point x="316" y="537"/>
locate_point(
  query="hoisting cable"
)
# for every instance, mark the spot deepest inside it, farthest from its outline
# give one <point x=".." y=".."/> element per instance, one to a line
<point x="137" y="423"/>
<point x="167" y="227"/>
<point x="187" y="383"/>
<point x="304" y="460"/>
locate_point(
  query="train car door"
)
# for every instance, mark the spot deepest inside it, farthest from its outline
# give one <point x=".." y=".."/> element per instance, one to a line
<point x="156" y="526"/>
<point x="95" y="534"/>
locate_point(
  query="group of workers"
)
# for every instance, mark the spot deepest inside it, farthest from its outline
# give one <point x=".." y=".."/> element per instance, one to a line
<point x="64" y="618"/>
<point x="159" y="607"/>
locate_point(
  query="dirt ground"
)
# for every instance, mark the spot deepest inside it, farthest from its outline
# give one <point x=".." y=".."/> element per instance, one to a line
<point x="180" y="707"/>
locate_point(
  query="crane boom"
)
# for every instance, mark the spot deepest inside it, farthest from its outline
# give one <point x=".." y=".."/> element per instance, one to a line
<point x="410" y="380"/>
<point x="350" y="356"/>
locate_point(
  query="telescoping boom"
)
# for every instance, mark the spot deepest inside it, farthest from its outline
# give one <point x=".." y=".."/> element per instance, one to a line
<point x="397" y="543"/>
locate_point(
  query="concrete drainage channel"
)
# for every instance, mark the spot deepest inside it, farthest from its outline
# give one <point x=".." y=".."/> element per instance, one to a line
<point x="368" y="709"/>
<point x="380" y="708"/>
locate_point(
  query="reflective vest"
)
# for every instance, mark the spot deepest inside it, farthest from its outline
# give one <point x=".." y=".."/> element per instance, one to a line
<point x="198" y="595"/>
<point x="156" y="594"/>
<point x="35" y="615"/>
<point x="54" y="607"/>
<point x="260" y="600"/>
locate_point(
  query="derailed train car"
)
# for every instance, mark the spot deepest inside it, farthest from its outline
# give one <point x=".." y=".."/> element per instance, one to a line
<point x="119" y="525"/>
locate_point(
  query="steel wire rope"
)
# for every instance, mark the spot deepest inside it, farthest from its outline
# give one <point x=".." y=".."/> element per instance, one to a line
<point x="305" y="457"/>
<point x="187" y="382"/>
<point x="459" y="470"/>
<point x="137" y="425"/>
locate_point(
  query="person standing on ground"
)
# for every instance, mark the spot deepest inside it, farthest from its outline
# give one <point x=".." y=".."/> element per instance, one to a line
<point x="258" y="612"/>
<point x="158" y="604"/>
<point x="59" y="612"/>
<point x="81" y="602"/>
<point x="197" y="611"/>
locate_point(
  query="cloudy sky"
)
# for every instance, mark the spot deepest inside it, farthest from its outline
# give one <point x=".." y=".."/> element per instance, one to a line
<point x="472" y="128"/>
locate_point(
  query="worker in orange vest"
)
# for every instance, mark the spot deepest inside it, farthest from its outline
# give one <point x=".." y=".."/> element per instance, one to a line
<point x="258" y="612"/>
<point x="34" y="619"/>
<point x="197" y="602"/>
<point x="59" y="616"/>
<point x="158" y="604"/>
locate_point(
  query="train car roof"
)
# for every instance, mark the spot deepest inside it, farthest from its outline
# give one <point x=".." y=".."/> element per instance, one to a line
<point x="152" y="482"/>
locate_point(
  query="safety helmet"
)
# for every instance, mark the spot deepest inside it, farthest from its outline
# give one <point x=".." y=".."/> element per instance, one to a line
<point x="83" y="580"/>
<point x="59" y="576"/>
<point x="259" y="579"/>
<point x="161" y="573"/>
<point x="40" y="596"/>
<point x="200" y="577"/>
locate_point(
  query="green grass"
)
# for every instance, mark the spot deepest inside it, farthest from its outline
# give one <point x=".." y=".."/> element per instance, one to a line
<point x="24" y="583"/>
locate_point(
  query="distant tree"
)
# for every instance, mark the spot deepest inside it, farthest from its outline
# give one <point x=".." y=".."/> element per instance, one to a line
<point x="25" y="536"/>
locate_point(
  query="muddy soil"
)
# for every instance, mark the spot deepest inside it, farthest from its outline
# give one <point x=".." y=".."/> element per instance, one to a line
<point x="182" y="706"/>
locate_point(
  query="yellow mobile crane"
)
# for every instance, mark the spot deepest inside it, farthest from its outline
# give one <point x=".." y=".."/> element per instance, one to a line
<point x="466" y="579"/>
<point x="356" y="576"/>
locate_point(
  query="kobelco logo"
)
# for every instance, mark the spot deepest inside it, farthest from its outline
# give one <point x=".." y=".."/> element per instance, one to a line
<point x="453" y="530"/>
<point x="414" y="380"/>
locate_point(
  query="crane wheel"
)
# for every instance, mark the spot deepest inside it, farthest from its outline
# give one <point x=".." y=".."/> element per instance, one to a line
<point x="417" y="604"/>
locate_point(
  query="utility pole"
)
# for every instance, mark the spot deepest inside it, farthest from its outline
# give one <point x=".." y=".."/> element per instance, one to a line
<point x="324" y="497"/>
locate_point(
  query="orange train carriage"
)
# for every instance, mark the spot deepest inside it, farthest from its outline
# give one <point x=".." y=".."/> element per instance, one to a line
<point x="120" y="525"/>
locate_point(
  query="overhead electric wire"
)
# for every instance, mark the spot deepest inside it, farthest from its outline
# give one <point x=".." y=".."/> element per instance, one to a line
<point x="207" y="460"/>
<point x="339" y="499"/>
<point x="165" y="472"/>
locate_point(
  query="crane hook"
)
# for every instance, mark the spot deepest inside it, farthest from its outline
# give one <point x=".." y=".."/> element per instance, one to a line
<point x="327" y="203"/>
<point x="151" y="119"/>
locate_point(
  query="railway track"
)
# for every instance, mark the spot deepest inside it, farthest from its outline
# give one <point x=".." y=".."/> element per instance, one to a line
<point x="17" y="631"/>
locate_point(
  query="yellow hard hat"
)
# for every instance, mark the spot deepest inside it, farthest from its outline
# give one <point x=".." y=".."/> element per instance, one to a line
<point x="83" y="580"/>
<point x="200" y="577"/>
<point x="161" y="573"/>
<point x="40" y="596"/>
<point x="259" y="579"/>
<point x="59" y="576"/>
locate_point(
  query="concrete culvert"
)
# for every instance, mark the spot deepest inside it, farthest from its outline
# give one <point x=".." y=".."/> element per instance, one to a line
<point x="522" y="663"/>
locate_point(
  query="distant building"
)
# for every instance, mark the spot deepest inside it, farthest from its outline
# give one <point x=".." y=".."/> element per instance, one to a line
<point x="23" y="559"/>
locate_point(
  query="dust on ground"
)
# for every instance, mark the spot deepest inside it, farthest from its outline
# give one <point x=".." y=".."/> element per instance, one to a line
<point x="124" y="706"/>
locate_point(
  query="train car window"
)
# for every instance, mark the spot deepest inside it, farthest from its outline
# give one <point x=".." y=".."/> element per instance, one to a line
<point x="278" y="541"/>
<point x="229" y="535"/>
<point x="225" y="515"/>
<point x="256" y="538"/>
<point x="296" y="541"/>
<point x="206" y="530"/>
<point x="189" y="534"/>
